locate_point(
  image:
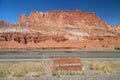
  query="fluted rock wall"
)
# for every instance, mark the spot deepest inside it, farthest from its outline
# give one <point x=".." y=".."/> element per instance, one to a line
<point x="25" y="38"/>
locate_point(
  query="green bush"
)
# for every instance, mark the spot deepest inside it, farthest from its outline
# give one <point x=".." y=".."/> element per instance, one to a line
<point x="117" y="48"/>
<point x="105" y="46"/>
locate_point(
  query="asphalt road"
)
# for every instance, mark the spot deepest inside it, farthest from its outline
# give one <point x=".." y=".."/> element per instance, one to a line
<point x="50" y="54"/>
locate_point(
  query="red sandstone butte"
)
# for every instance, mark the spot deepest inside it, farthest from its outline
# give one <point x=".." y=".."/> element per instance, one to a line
<point x="59" y="29"/>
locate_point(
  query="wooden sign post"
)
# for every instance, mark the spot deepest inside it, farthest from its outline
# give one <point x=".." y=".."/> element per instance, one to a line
<point x="67" y="64"/>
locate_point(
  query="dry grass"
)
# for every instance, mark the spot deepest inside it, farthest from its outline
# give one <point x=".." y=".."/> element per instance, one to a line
<point x="36" y="69"/>
<point x="99" y="67"/>
<point x="64" y="72"/>
<point x="107" y="67"/>
<point x="21" y="69"/>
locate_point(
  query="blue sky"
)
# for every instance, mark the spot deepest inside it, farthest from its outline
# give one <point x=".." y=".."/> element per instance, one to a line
<point x="107" y="10"/>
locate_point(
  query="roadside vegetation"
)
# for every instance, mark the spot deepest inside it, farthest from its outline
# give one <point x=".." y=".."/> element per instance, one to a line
<point x="105" y="46"/>
<point x="117" y="48"/>
<point x="94" y="67"/>
<point x="83" y="47"/>
<point x="37" y="69"/>
<point x="64" y="72"/>
<point x="104" y="67"/>
<point x="21" y="69"/>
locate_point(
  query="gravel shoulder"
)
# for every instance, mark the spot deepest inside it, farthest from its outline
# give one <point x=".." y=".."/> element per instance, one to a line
<point x="84" y="77"/>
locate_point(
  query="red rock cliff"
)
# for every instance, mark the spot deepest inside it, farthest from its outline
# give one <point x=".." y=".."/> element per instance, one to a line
<point x="64" y="20"/>
<point x="3" y="23"/>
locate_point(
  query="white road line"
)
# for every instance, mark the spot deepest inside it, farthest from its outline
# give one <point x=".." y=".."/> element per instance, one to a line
<point x="83" y="59"/>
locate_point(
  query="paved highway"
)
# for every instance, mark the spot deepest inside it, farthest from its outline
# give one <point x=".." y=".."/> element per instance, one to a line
<point x="50" y="54"/>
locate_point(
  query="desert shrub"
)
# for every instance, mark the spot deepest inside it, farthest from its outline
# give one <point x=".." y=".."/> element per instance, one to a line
<point x="85" y="46"/>
<point x="117" y="48"/>
<point x="105" y="46"/>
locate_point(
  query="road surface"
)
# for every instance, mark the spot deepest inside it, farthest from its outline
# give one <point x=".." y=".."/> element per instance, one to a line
<point x="50" y="54"/>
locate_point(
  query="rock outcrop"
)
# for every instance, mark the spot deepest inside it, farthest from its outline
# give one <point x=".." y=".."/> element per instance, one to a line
<point x="63" y="17"/>
<point x="3" y="23"/>
<point x="24" y="38"/>
<point x="65" y="21"/>
<point x="117" y="28"/>
<point x="59" y="29"/>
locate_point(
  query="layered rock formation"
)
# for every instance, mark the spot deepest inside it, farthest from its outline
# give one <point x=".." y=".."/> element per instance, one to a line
<point x="65" y="21"/>
<point x="24" y="38"/>
<point x="117" y="28"/>
<point x="3" y="23"/>
<point x="63" y="18"/>
<point x="60" y="28"/>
